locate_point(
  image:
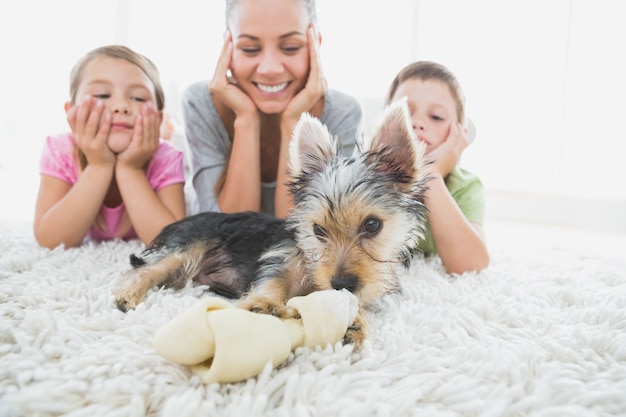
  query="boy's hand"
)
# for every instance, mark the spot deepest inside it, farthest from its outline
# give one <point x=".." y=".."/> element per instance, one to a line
<point x="447" y="155"/>
<point x="91" y="125"/>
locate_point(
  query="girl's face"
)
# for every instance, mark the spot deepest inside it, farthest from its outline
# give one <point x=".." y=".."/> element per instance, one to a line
<point x="123" y="88"/>
<point x="270" y="59"/>
<point x="432" y="107"/>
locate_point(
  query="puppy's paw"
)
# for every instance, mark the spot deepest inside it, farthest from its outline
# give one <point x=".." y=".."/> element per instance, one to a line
<point x="264" y="305"/>
<point x="126" y="299"/>
<point x="285" y="312"/>
<point x="356" y="333"/>
<point x="354" y="336"/>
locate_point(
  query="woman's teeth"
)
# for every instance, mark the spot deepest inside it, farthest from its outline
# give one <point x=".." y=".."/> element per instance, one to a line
<point x="272" y="88"/>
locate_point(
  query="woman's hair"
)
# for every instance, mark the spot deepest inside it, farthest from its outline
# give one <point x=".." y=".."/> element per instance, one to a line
<point x="127" y="54"/>
<point x="308" y="4"/>
<point x="428" y="70"/>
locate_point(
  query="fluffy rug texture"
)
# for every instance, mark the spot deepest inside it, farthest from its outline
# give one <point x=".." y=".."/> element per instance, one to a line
<point x="541" y="332"/>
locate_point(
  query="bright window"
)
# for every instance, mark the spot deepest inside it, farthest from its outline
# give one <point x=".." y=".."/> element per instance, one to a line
<point x="544" y="81"/>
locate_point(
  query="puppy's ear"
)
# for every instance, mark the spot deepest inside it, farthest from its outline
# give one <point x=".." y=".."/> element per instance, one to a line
<point x="393" y="145"/>
<point x="311" y="147"/>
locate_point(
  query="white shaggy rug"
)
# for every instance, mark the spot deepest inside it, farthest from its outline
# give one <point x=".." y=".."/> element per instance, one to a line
<point x="541" y="332"/>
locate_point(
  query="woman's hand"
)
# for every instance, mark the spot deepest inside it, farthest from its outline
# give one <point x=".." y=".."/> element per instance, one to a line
<point x="315" y="86"/>
<point x="302" y="102"/>
<point x="447" y="155"/>
<point x="145" y="140"/>
<point x="91" y="125"/>
<point x="224" y="88"/>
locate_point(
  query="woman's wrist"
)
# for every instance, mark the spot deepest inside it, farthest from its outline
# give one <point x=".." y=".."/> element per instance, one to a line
<point x="287" y="125"/>
<point x="247" y="121"/>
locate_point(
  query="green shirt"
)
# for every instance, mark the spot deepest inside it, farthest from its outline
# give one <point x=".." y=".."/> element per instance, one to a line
<point x="467" y="190"/>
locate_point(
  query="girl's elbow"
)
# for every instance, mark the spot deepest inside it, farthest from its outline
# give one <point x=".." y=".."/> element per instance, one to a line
<point x="48" y="241"/>
<point x="43" y="240"/>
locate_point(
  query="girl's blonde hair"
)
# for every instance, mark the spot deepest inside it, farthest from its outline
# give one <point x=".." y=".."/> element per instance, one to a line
<point x="127" y="54"/>
<point x="119" y="52"/>
<point x="428" y="70"/>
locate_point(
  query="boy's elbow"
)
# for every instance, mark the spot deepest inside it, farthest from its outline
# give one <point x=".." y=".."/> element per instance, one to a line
<point x="473" y="264"/>
<point x="482" y="263"/>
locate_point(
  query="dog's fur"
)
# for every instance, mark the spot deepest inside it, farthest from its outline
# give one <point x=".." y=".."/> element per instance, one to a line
<point x="355" y="221"/>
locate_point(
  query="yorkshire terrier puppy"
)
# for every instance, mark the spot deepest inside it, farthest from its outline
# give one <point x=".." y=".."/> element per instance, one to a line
<point x="356" y="220"/>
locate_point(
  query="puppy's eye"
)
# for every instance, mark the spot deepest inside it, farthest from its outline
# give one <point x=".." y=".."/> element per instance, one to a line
<point x="318" y="231"/>
<point x="371" y="225"/>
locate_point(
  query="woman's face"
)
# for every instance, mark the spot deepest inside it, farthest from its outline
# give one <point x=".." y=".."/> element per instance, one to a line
<point x="270" y="59"/>
<point x="123" y="88"/>
<point x="432" y="107"/>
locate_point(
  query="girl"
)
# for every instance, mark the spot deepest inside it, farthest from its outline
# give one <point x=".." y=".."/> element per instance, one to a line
<point x="455" y="200"/>
<point x="112" y="176"/>
<point x="239" y="124"/>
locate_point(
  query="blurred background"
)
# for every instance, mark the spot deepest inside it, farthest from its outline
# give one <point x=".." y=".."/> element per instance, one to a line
<point x="545" y="84"/>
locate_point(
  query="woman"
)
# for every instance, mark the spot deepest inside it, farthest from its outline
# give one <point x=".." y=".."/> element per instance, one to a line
<point x="238" y="125"/>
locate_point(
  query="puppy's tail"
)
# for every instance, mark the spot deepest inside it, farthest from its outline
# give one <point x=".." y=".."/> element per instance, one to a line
<point x="136" y="261"/>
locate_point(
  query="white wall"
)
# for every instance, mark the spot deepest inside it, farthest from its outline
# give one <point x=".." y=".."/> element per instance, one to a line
<point x="544" y="83"/>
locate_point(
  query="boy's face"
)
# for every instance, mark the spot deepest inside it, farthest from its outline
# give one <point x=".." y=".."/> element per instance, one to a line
<point x="432" y="107"/>
<point x="123" y="88"/>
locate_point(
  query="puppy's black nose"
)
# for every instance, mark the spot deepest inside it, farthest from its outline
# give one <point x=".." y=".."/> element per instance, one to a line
<point x="349" y="282"/>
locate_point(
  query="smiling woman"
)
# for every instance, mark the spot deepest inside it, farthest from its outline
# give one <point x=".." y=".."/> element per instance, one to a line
<point x="543" y="100"/>
<point x="239" y="124"/>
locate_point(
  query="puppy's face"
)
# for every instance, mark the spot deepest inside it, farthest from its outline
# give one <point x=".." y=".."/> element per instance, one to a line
<point x="356" y="219"/>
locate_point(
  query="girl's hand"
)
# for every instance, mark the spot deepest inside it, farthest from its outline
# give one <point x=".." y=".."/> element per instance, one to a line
<point x="447" y="155"/>
<point x="224" y="88"/>
<point x="315" y="86"/>
<point x="145" y="140"/>
<point x="91" y="125"/>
